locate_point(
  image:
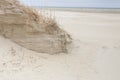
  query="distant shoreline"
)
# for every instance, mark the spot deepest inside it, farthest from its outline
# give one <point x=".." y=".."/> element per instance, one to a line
<point x="81" y="9"/>
<point x="75" y="7"/>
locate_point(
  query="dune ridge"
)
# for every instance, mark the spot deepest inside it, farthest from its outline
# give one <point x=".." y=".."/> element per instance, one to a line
<point x="30" y="29"/>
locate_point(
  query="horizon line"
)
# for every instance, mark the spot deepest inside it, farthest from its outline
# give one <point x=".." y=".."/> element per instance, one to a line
<point x="76" y="7"/>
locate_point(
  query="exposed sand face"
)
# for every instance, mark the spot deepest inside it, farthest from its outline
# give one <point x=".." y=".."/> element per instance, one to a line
<point x="94" y="54"/>
<point x="26" y="27"/>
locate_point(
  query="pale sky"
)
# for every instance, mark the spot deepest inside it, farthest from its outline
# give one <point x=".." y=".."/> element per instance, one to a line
<point x="75" y="3"/>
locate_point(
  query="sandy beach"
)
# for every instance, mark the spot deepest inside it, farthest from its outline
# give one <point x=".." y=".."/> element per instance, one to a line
<point x="93" y="55"/>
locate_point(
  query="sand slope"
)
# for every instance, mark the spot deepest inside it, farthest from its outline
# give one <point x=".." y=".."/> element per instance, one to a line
<point x="94" y="53"/>
<point x="26" y="27"/>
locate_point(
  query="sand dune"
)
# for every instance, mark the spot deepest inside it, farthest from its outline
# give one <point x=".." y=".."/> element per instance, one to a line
<point x="93" y="55"/>
<point x="30" y="29"/>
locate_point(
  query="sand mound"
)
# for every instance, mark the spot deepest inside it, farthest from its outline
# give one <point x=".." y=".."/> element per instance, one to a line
<point x="31" y="30"/>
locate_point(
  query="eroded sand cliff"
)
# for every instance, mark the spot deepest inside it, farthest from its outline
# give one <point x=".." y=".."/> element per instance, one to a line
<point x="28" y="28"/>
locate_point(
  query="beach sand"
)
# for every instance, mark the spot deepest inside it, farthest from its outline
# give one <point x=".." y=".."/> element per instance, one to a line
<point x="93" y="55"/>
